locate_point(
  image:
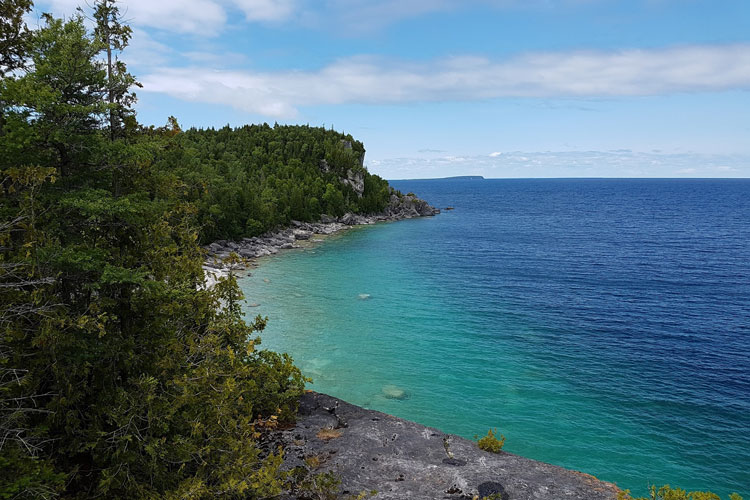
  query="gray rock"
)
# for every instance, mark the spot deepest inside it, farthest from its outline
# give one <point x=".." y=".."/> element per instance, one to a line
<point x="301" y="234"/>
<point x="356" y="180"/>
<point x="349" y="219"/>
<point x="405" y="460"/>
<point x="399" y="207"/>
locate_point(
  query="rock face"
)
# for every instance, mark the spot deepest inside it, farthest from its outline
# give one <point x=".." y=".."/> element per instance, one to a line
<point x="399" y="459"/>
<point x="356" y="180"/>
<point x="410" y="206"/>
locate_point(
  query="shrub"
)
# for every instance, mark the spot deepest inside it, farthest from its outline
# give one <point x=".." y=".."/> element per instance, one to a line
<point x="666" y="492"/>
<point x="490" y="442"/>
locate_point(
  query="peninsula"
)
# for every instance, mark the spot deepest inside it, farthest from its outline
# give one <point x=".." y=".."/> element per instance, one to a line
<point x="454" y="178"/>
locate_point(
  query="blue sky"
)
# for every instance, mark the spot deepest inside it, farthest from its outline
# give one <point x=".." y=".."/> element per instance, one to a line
<point x="500" y="88"/>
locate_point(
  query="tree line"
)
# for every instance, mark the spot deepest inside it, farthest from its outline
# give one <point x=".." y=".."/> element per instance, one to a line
<point x="248" y="180"/>
<point x="120" y="375"/>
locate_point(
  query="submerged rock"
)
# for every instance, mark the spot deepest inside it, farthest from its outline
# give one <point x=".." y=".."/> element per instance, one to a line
<point x="394" y="392"/>
<point x="363" y="296"/>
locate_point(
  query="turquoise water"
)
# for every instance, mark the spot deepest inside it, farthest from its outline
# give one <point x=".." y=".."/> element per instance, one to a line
<point x="600" y="325"/>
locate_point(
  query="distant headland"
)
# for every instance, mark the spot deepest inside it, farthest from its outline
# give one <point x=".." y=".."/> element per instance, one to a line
<point x="455" y="178"/>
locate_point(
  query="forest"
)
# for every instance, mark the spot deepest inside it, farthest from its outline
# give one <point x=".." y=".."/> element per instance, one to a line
<point x="120" y="375"/>
<point x="248" y="180"/>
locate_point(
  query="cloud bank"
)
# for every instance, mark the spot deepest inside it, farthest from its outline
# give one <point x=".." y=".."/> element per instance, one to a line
<point x="366" y="80"/>
<point x="520" y="164"/>
<point x="197" y="17"/>
<point x="209" y="17"/>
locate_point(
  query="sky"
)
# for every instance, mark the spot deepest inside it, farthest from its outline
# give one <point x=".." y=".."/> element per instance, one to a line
<point x="435" y="88"/>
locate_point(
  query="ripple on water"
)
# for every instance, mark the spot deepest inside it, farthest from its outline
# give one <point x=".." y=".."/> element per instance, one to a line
<point x="602" y="325"/>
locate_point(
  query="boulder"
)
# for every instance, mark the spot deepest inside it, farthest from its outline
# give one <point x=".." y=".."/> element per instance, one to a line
<point x="301" y="234"/>
<point x="349" y="219"/>
<point x="215" y="247"/>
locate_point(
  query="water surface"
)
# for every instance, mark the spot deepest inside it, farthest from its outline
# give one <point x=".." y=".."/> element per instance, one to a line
<point x="601" y="325"/>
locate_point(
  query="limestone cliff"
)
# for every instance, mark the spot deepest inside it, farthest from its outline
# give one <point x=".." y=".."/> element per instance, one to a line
<point x="356" y="180"/>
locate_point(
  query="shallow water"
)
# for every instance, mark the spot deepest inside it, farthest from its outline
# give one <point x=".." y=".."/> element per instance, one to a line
<point x="601" y="325"/>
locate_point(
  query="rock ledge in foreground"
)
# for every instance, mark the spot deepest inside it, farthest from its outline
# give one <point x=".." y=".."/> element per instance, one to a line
<point x="405" y="460"/>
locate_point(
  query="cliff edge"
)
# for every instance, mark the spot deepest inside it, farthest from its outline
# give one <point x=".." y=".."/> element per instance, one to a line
<point x="399" y="459"/>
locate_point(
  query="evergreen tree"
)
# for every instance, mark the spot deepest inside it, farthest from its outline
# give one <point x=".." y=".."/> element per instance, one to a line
<point x="114" y="36"/>
<point x="13" y="34"/>
<point x="120" y="376"/>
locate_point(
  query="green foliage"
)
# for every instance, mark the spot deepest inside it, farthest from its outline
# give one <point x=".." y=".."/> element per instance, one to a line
<point x="13" y="34"/>
<point x="666" y="492"/>
<point x="490" y="442"/>
<point x="248" y="180"/>
<point x="308" y="486"/>
<point x="120" y="377"/>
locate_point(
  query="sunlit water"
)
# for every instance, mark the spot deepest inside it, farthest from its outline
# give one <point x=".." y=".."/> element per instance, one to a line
<point x="601" y="325"/>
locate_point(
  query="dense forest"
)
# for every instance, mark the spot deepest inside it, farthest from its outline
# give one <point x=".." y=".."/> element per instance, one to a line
<point x="120" y="376"/>
<point x="248" y="180"/>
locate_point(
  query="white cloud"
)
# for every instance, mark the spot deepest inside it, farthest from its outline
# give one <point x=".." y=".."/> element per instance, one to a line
<point x="145" y="51"/>
<point x="369" y="80"/>
<point x="204" y="17"/>
<point x="200" y="17"/>
<point x="495" y="154"/>
<point x="209" y="17"/>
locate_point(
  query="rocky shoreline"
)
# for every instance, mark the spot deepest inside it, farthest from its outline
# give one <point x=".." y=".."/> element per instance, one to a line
<point x="399" y="208"/>
<point x="398" y="459"/>
<point x="379" y="456"/>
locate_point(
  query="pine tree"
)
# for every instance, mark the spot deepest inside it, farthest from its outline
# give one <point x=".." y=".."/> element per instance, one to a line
<point x="13" y="34"/>
<point x="121" y="376"/>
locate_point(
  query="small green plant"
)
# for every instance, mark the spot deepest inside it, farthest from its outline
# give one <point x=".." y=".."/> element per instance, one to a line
<point x="666" y="492"/>
<point x="490" y="442"/>
<point x="303" y="484"/>
<point x="363" y="495"/>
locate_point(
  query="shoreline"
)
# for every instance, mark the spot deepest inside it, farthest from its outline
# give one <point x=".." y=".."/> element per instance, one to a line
<point x="294" y="236"/>
<point x="390" y="457"/>
<point x="397" y="459"/>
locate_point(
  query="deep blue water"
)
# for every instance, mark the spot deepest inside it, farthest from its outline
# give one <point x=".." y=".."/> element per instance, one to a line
<point x="602" y="325"/>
